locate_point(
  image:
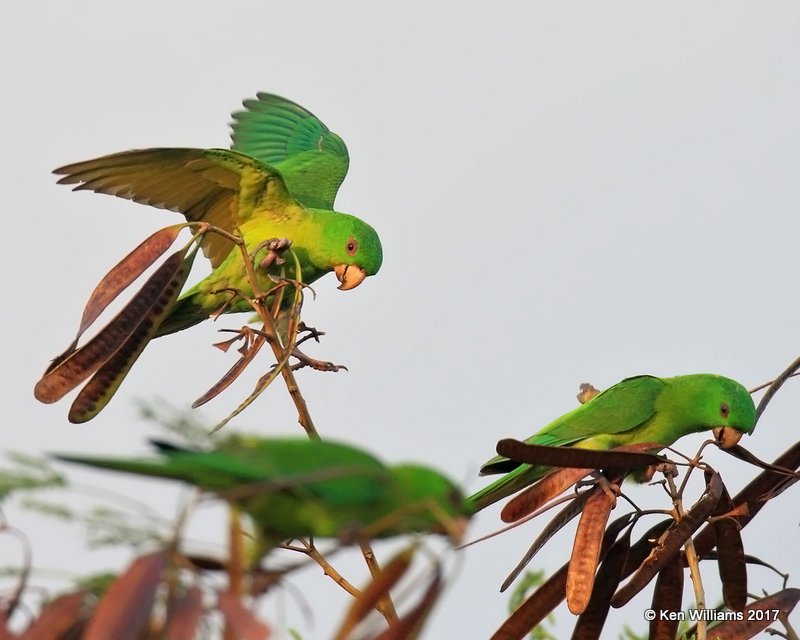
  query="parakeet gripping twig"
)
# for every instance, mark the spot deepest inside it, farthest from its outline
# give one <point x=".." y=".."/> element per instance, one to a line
<point x="278" y="181"/>
<point x="637" y="410"/>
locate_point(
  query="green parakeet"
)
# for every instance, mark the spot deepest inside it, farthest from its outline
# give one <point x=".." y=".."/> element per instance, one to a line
<point x="278" y="181"/>
<point x="295" y="487"/>
<point x="637" y="410"/>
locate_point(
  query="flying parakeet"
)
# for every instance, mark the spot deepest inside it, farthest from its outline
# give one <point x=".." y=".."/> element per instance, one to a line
<point x="278" y="181"/>
<point x="637" y="410"/>
<point x="294" y="487"/>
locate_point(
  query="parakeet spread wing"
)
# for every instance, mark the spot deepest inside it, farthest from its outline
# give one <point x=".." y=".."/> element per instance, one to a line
<point x="285" y="190"/>
<point x="221" y="187"/>
<point x="312" y="159"/>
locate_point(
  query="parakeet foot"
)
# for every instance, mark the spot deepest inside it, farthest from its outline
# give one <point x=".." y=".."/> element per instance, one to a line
<point x="611" y="489"/>
<point x="276" y="247"/>
<point x="646" y="475"/>
<point x="586" y="392"/>
<point x="226" y="305"/>
<point x="248" y="337"/>
<point x="317" y="365"/>
<point x="311" y="333"/>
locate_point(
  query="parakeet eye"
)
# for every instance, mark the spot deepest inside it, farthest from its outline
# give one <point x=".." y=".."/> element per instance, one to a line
<point x="724" y="410"/>
<point x="352" y="246"/>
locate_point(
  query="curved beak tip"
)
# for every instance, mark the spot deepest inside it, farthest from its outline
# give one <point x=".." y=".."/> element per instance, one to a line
<point x="349" y="275"/>
<point x="727" y="437"/>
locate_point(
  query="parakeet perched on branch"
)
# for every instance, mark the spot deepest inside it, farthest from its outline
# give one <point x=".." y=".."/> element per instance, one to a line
<point x="637" y="410"/>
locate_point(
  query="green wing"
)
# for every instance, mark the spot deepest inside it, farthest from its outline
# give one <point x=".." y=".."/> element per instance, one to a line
<point x="620" y="408"/>
<point x="312" y="159"/>
<point x="623" y="407"/>
<point x="218" y="186"/>
<point x="336" y="473"/>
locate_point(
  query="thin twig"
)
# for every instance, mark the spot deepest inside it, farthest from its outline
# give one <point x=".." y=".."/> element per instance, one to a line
<point x="515" y="524"/>
<point x="303" y="416"/>
<point x="791" y="634"/>
<point x="312" y="552"/>
<point x="385" y="604"/>
<point x="171" y="573"/>
<point x="694" y="463"/>
<point x="691" y="559"/>
<point x="235" y="563"/>
<point x="11" y="603"/>
<point x="776" y="384"/>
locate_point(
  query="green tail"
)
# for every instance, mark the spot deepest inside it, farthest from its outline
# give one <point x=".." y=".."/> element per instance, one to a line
<point x="185" y="313"/>
<point x="143" y="467"/>
<point x="509" y="484"/>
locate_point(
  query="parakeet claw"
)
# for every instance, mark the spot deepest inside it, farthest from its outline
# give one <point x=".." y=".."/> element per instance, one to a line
<point x="586" y="392"/>
<point x="276" y="247"/>
<point x="311" y="333"/>
<point x="317" y="365"/>
<point x="667" y="468"/>
<point x="234" y="293"/>
<point x="611" y="489"/>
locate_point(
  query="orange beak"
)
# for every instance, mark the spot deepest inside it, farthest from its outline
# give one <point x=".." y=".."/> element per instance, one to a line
<point x="727" y="437"/>
<point x="349" y="275"/>
<point x="456" y="529"/>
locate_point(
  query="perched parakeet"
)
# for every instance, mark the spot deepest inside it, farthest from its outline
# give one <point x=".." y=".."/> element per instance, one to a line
<point x="278" y="181"/>
<point x="294" y="487"/>
<point x="637" y="410"/>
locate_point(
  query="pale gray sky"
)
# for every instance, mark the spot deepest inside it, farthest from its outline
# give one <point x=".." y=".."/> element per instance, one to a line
<point x="565" y="192"/>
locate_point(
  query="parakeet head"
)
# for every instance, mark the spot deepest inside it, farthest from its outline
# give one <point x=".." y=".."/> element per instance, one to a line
<point x="724" y="405"/>
<point x="428" y="501"/>
<point x="349" y="246"/>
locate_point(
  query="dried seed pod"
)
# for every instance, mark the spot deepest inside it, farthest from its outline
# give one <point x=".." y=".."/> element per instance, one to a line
<point x="168" y="281"/>
<point x="667" y="596"/>
<point x="69" y="372"/>
<point x="765" y="486"/>
<point x="549" y="595"/>
<point x="389" y="575"/>
<point x="540" y="493"/>
<point x="730" y="560"/>
<point x="586" y="549"/>
<point x="591" y="621"/>
<point x="554" y="526"/>
<point x="755" y="617"/>
<point x="625" y="457"/>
